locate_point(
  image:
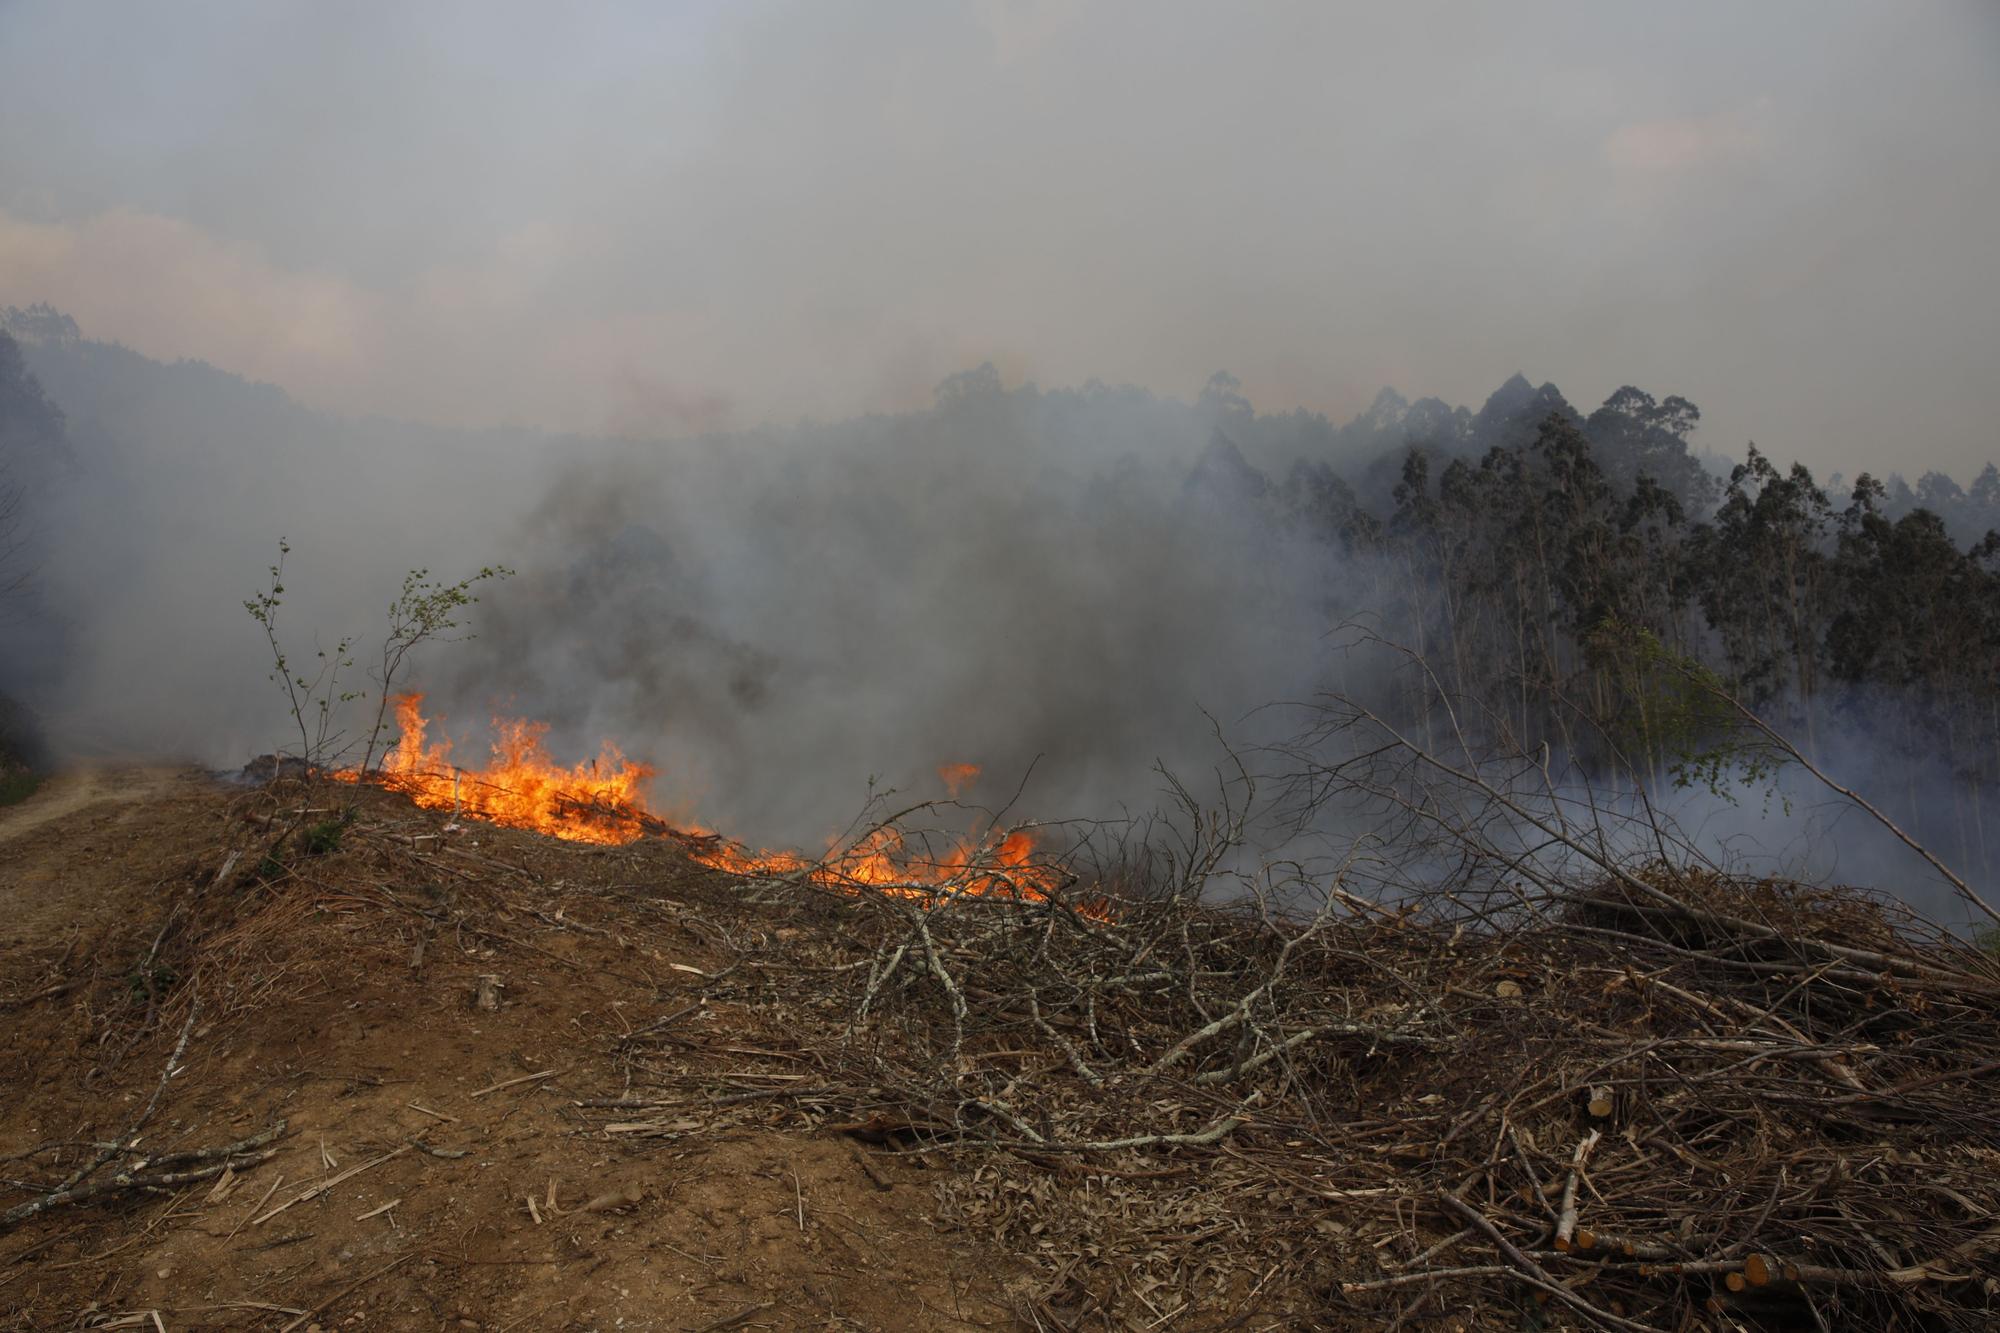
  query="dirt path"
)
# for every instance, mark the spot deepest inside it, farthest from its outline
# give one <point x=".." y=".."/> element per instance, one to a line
<point x="71" y="853"/>
<point x="80" y="789"/>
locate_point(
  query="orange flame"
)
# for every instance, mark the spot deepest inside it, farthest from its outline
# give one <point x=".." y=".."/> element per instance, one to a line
<point x="957" y="777"/>
<point x="521" y="787"/>
<point x="605" y="802"/>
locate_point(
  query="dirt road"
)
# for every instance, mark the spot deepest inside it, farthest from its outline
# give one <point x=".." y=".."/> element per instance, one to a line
<point x="62" y="862"/>
<point x="80" y="789"/>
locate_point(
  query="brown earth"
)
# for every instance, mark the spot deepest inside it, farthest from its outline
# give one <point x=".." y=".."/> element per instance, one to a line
<point x="435" y="1168"/>
<point x="280" y="1058"/>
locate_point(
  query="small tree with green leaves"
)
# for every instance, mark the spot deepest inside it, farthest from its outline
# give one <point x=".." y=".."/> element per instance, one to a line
<point x="316" y="699"/>
<point x="423" y="611"/>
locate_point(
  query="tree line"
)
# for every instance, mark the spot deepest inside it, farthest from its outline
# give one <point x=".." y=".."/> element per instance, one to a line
<point x="1588" y="583"/>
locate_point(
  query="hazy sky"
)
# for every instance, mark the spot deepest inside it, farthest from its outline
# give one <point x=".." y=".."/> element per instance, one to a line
<point x="651" y="217"/>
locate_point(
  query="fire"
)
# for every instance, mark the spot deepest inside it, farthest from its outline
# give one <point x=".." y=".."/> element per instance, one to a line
<point x="957" y="777"/>
<point x="604" y="801"/>
<point x="521" y="786"/>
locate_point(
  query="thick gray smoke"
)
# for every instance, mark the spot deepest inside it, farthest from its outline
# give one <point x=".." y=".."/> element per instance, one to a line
<point x="180" y="481"/>
<point x="1012" y="580"/>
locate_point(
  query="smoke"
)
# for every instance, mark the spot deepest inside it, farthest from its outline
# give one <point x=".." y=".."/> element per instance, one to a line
<point x="182" y="482"/>
<point x="644" y="216"/>
<point x="1066" y="588"/>
<point x="1030" y="582"/>
<point x="1399" y="803"/>
<point x="1013" y="579"/>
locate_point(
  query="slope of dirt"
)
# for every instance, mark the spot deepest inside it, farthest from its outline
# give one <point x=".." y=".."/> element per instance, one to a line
<point x="281" y="1059"/>
<point x="429" y="1163"/>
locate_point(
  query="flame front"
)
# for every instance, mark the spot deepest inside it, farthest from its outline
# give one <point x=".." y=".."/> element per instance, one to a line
<point x="605" y="802"/>
<point x="521" y="786"/>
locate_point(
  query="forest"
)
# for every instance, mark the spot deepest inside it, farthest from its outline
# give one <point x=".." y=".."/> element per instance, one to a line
<point x="1571" y="579"/>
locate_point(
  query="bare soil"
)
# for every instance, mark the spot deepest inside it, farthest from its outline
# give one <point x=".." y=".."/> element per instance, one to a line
<point x="283" y="1059"/>
<point x="326" y="997"/>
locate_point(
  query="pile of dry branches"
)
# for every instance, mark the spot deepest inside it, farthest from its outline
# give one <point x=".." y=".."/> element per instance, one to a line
<point x="1202" y="1088"/>
<point x="1641" y="1091"/>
